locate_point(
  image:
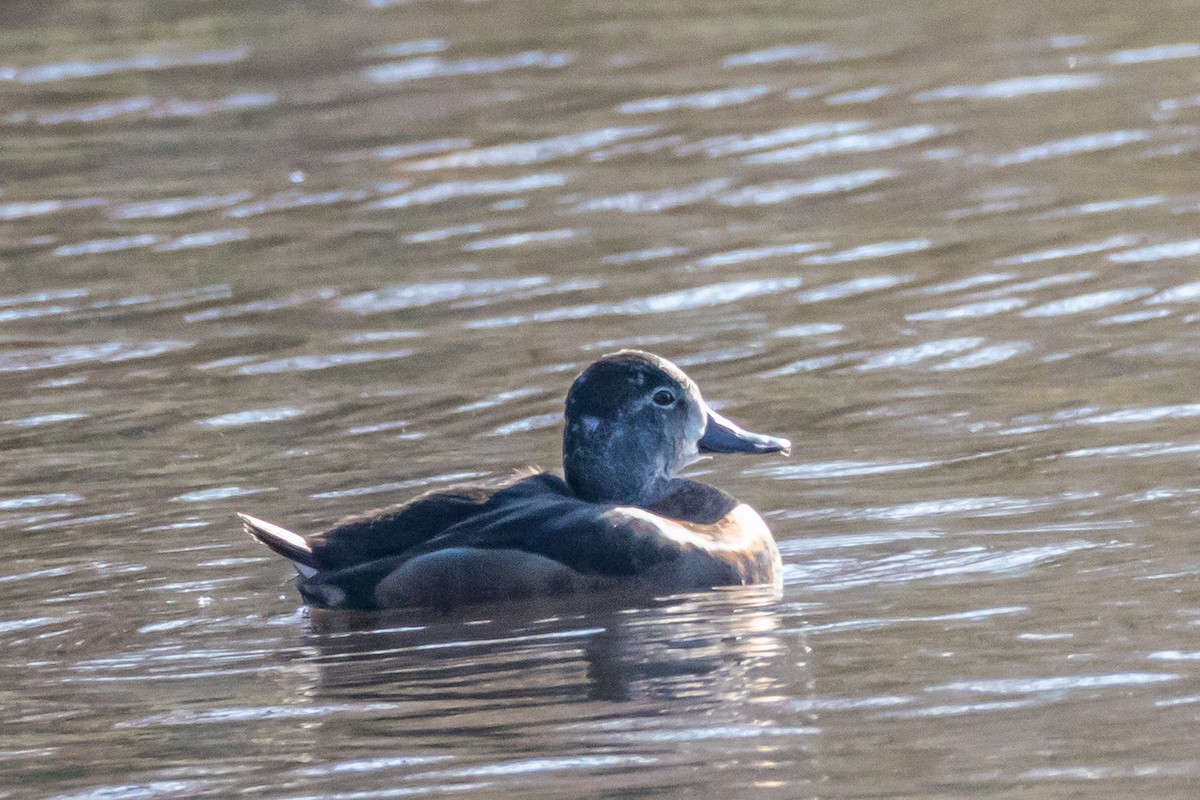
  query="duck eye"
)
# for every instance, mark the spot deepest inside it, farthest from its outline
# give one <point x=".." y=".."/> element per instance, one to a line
<point x="663" y="398"/>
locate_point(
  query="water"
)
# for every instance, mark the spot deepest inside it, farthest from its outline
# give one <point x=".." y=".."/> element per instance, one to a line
<point x="300" y="260"/>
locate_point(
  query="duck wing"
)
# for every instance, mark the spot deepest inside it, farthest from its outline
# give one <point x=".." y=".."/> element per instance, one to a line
<point x="587" y="538"/>
<point x="594" y="539"/>
<point x="396" y="530"/>
<point x="471" y="544"/>
<point x="549" y="544"/>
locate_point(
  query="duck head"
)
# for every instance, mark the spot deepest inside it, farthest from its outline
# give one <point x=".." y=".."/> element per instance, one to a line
<point x="634" y="420"/>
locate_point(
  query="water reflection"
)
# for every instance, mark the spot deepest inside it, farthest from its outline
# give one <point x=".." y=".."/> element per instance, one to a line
<point x="714" y="648"/>
<point x="355" y="250"/>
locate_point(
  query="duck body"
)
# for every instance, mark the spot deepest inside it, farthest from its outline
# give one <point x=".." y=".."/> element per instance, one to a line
<point x="619" y="521"/>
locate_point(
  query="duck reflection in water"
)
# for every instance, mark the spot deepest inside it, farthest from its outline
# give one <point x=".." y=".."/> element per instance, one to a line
<point x="620" y="522"/>
<point x="714" y="648"/>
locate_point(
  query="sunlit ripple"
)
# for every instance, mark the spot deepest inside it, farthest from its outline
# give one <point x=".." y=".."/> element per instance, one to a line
<point x="652" y="202"/>
<point x="1087" y="302"/>
<point x="1162" y="52"/>
<point x="13" y="314"/>
<point x="378" y="427"/>
<point x="252" y="417"/>
<point x="35" y="574"/>
<point x="852" y="288"/>
<point x="534" y="423"/>
<point x="153" y="108"/>
<point x="16" y="625"/>
<point x="1174" y="104"/>
<point x="442" y="234"/>
<point x="44" y="419"/>
<point x="1107" y="206"/>
<point x="757" y="253"/>
<point x="518" y="153"/>
<point x="402" y="150"/>
<point x="114" y="245"/>
<point x="838" y="469"/>
<point x="1096" y="772"/>
<point x="1053" y="253"/>
<point x="1135" y="450"/>
<point x="177" y="206"/>
<point x="908" y="356"/>
<point x="970" y="282"/>
<point x="395" y="298"/>
<point x="733" y="144"/>
<point x="416" y="483"/>
<point x="290" y="200"/>
<point x="1010" y="88"/>
<point x="109" y="352"/>
<point x="520" y="239"/>
<point x="1144" y="414"/>
<point x="812" y="329"/>
<point x="815" y="363"/>
<point x="89" y="69"/>
<point x="1158" y="252"/>
<point x="91" y="113"/>
<point x="500" y="399"/>
<point x="871" y="141"/>
<point x="783" y="191"/>
<point x="22" y="209"/>
<point x="1089" y="143"/>
<point x="697" y="101"/>
<point x="820" y="704"/>
<point x="436" y="67"/>
<point x="1136" y="316"/>
<point x="262" y="306"/>
<point x="1175" y="655"/>
<point x="450" y="190"/>
<point x="813" y="53"/>
<point x="925" y="564"/>
<point x="699" y="734"/>
<point x="1065" y="683"/>
<point x="363" y="765"/>
<point x="76" y="522"/>
<point x="1184" y="293"/>
<point x="698" y="297"/>
<point x="43" y="297"/>
<point x="866" y="95"/>
<point x="310" y="363"/>
<point x="876" y="623"/>
<point x="984" y="308"/>
<point x="167" y="301"/>
<point x="642" y="147"/>
<point x="217" y="493"/>
<point x="249" y="713"/>
<point x="1060" y="279"/>
<point x="869" y="251"/>
<point x="146" y="791"/>
<point x="960" y="506"/>
<point x="803" y="548"/>
<point x="211" y="238"/>
<point x="985" y="356"/>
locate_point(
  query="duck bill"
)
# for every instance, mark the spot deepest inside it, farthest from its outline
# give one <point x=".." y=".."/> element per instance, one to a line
<point x="724" y="436"/>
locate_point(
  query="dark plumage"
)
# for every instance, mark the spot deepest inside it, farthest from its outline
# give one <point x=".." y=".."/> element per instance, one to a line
<point x="621" y="520"/>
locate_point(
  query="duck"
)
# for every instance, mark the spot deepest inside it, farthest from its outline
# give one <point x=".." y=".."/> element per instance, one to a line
<point x="619" y="519"/>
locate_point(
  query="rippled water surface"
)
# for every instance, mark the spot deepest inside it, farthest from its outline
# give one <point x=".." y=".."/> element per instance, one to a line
<point x="304" y="259"/>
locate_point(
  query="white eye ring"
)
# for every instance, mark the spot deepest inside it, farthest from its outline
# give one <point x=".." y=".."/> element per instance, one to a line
<point x="664" y="398"/>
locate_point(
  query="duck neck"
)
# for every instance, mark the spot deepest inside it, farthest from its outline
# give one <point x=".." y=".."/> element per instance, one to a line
<point x="600" y="475"/>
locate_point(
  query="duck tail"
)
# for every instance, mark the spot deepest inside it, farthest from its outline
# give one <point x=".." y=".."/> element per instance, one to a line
<point x="291" y="546"/>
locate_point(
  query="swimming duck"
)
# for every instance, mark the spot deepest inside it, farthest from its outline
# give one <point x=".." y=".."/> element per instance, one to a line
<point x="619" y="520"/>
